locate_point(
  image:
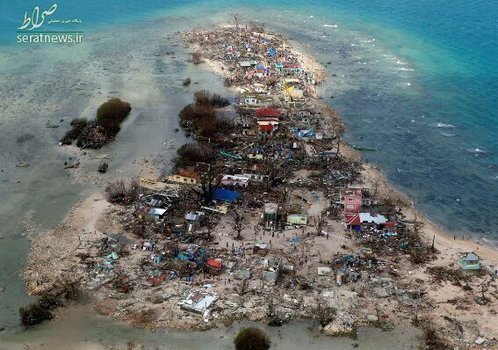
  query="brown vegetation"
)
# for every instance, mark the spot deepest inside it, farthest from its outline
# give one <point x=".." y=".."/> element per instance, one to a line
<point x="100" y="131"/>
<point x="192" y="153"/>
<point x="122" y="193"/>
<point x="201" y="117"/>
<point x="197" y="57"/>
<point x="44" y="308"/>
<point x="205" y="98"/>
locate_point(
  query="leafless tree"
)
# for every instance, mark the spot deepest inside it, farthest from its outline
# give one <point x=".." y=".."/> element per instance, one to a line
<point x="238" y="222"/>
<point x="236" y="18"/>
<point x="274" y="169"/>
<point x="210" y="225"/>
<point x="319" y="223"/>
<point x="210" y="176"/>
<point x="376" y="189"/>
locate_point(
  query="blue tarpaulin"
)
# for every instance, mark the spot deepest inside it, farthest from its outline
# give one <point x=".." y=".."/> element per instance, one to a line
<point x="222" y="195"/>
<point x="304" y="133"/>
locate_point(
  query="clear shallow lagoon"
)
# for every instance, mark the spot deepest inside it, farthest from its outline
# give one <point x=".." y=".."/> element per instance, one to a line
<point x="415" y="80"/>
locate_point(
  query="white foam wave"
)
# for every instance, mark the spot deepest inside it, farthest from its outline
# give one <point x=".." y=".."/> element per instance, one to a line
<point x="476" y="151"/>
<point x="404" y="69"/>
<point x="443" y="125"/>
<point x="331" y="25"/>
<point x="447" y="134"/>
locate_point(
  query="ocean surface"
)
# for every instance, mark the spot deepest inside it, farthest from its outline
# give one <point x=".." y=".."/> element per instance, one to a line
<point x="416" y="81"/>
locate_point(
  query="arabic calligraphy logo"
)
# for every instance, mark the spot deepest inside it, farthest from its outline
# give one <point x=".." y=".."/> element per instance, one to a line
<point x="26" y="31"/>
<point x="36" y="20"/>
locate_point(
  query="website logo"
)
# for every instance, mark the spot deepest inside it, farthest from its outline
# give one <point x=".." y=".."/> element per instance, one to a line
<point x="30" y="29"/>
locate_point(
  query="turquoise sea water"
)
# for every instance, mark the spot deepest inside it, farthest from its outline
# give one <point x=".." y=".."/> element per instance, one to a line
<point x="418" y="83"/>
<point x="415" y="80"/>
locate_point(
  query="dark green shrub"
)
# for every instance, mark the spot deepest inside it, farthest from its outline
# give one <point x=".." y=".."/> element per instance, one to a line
<point x="251" y="338"/>
<point x="34" y="314"/>
<point x="113" y="111"/>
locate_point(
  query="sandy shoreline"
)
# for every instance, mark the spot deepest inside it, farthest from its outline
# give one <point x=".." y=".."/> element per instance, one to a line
<point x="54" y="256"/>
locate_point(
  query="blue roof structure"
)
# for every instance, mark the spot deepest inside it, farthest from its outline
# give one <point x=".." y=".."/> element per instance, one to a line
<point x="222" y="195"/>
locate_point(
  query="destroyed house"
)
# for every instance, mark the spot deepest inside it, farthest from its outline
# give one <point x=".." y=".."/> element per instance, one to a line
<point x="247" y="64"/>
<point x="256" y="177"/>
<point x="261" y="248"/>
<point x="272" y="270"/>
<point x="248" y="130"/>
<point x="192" y="253"/>
<point x="304" y="133"/>
<point x="198" y="301"/>
<point x="237" y="180"/>
<point x="157" y="213"/>
<point x="185" y="177"/>
<point x="353" y="199"/>
<point x="147" y="211"/>
<point x="256" y="153"/>
<point x="270" y="215"/>
<point x="358" y="220"/>
<point x="193" y="219"/>
<point x="470" y="261"/>
<point x="214" y="266"/>
<point x="297" y="219"/>
<point x="251" y="102"/>
<point x="292" y="67"/>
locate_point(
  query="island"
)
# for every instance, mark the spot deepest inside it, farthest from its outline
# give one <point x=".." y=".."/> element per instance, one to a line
<point x="267" y="215"/>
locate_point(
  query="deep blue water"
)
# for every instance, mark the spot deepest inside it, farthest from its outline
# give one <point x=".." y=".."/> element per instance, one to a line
<point x="433" y="63"/>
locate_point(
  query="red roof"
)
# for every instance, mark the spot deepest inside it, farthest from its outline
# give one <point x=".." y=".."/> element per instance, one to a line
<point x="267" y="112"/>
<point x="291" y="65"/>
<point x="268" y="128"/>
<point x="214" y="263"/>
<point x="353" y="220"/>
